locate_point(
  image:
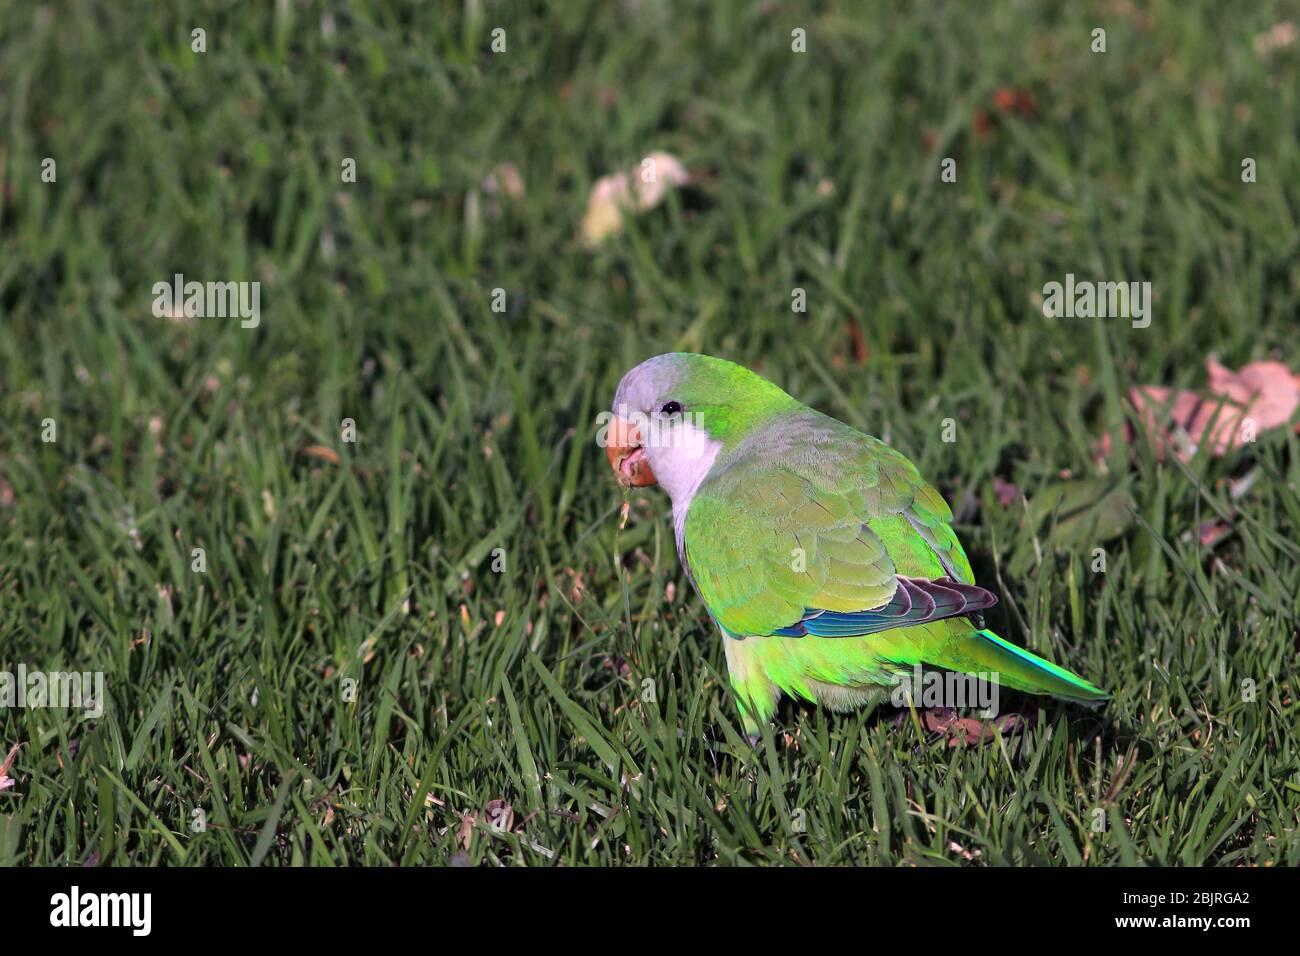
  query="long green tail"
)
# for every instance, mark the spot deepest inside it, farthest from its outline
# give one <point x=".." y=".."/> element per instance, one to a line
<point x="1016" y="667"/>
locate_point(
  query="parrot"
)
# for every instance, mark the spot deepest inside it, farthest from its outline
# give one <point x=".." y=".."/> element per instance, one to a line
<point x="827" y="562"/>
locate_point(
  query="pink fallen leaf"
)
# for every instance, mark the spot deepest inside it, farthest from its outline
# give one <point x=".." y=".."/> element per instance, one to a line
<point x="1266" y="390"/>
<point x="1211" y="533"/>
<point x="1238" y="406"/>
<point x="1006" y="491"/>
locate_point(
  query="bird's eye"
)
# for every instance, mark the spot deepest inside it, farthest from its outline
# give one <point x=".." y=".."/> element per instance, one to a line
<point x="671" y="408"/>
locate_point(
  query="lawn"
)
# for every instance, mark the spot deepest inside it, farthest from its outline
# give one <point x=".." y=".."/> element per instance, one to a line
<point x="434" y="643"/>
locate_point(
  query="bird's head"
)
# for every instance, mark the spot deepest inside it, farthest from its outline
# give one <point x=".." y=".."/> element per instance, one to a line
<point x="674" y="413"/>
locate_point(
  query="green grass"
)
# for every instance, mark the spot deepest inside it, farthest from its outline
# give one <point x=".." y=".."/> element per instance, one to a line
<point x="226" y="689"/>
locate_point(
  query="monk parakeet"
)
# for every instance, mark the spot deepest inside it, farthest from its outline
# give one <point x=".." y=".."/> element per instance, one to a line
<point x="828" y="563"/>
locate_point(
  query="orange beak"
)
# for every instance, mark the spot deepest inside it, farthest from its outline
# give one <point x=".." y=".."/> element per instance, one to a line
<point x="626" y="454"/>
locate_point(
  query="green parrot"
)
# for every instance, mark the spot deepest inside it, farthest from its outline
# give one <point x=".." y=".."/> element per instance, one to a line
<point x="828" y="563"/>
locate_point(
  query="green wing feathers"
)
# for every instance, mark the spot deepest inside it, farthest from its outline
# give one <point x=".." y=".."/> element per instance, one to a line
<point x="761" y="552"/>
<point x="813" y="514"/>
<point x="809" y="515"/>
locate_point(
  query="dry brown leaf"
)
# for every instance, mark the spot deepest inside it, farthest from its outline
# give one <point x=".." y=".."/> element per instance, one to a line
<point x="968" y="731"/>
<point x="7" y="781"/>
<point x="465" y="833"/>
<point x="323" y="452"/>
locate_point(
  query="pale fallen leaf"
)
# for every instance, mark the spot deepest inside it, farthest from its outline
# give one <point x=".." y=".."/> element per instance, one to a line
<point x="504" y="179"/>
<point x="502" y="182"/>
<point x="654" y="176"/>
<point x="630" y="191"/>
<point x="1278" y="37"/>
<point x="500" y="816"/>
